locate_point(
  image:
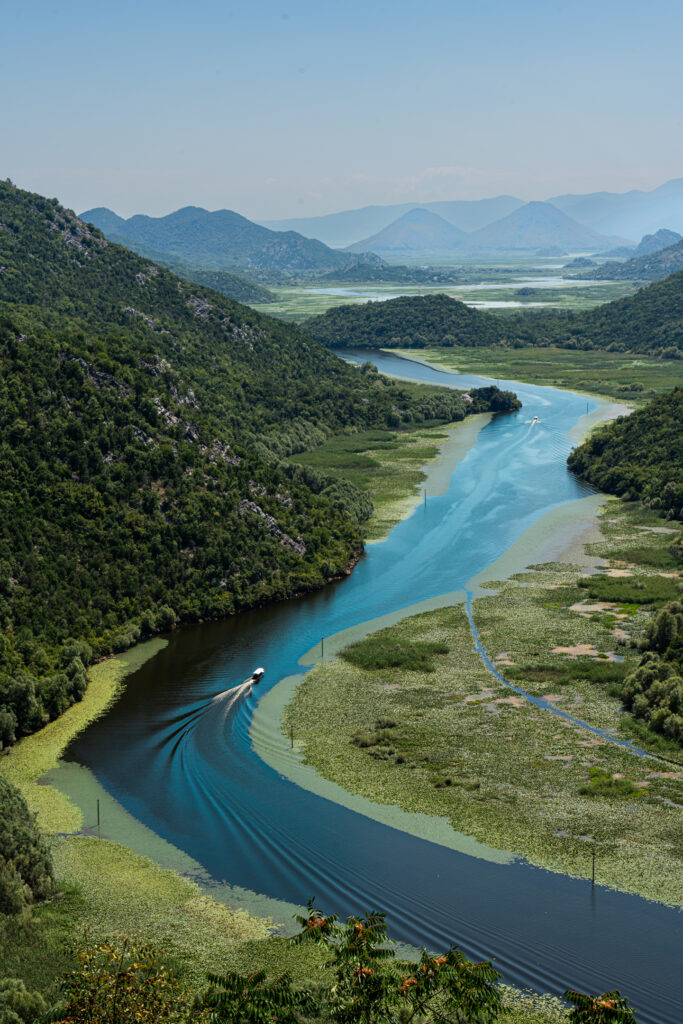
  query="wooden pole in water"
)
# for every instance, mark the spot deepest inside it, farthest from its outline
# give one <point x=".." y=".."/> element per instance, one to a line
<point x="98" y="819"/>
<point x="291" y="735"/>
<point x="322" y="647"/>
<point x="425" y="497"/>
<point x="593" y="878"/>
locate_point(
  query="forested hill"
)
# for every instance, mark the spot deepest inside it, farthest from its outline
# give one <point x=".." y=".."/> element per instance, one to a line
<point x="224" y="240"/>
<point x="639" y="457"/>
<point x="649" y="321"/>
<point x="650" y="267"/>
<point x="142" y="424"/>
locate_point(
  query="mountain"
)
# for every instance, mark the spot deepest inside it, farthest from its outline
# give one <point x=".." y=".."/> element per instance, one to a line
<point x="643" y="268"/>
<point x="649" y="321"/>
<point x="143" y="424"/>
<point x="648" y="245"/>
<point x="342" y="229"/>
<point x="639" y="457"/>
<point x="631" y="214"/>
<point x="418" y="230"/>
<point x="222" y="240"/>
<point x="535" y="226"/>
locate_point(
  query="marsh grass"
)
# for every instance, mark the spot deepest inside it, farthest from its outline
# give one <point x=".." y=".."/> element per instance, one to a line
<point x="600" y="373"/>
<point x="34" y="757"/>
<point x="384" y="650"/>
<point x="501" y="770"/>
<point x="637" y="590"/>
<point x="387" y="464"/>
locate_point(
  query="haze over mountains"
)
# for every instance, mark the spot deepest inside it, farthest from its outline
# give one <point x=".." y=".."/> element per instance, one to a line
<point x="630" y="214"/>
<point x="221" y="240"/>
<point x="224" y="240"/>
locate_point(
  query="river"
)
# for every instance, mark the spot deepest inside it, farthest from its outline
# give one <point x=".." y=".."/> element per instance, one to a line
<point x="179" y="756"/>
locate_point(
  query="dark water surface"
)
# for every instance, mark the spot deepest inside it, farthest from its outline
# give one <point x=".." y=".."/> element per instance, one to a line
<point x="180" y="759"/>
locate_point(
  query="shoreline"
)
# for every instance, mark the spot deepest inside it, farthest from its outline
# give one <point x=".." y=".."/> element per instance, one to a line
<point x="436" y="472"/>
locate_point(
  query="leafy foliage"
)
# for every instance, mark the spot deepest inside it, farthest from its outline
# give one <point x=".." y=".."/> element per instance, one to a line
<point x="639" y="457"/>
<point x="17" y="1004"/>
<point x="371" y="987"/>
<point x="609" y="1008"/>
<point x="235" y="999"/>
<point x="654" y="691"/>
<point x="650" y="321"/>
<point x="144" y="424"/>
<point x="25" y="862"/>
<point x="122" y="985"/>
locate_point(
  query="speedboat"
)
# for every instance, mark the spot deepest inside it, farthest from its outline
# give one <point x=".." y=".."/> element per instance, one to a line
<point x="257" y="675"/>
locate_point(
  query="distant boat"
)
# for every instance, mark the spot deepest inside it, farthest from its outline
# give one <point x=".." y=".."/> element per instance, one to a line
<point x="534" y="420"/>
<point x="256" y="675"/>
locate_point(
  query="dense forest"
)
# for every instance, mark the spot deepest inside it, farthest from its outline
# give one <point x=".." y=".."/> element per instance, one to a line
<point x="144" y="423"/>
<point x="650" y="321"/>
<point x="639" y="457"/>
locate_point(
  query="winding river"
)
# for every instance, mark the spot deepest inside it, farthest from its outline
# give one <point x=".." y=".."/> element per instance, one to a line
<point x="176" y="750"/>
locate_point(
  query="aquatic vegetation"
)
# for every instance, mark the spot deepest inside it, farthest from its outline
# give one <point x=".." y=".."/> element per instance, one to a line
<point x="499" y="769"/>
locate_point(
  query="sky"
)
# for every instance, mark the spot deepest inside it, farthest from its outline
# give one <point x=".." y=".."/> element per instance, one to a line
<point x="299" y="108"/>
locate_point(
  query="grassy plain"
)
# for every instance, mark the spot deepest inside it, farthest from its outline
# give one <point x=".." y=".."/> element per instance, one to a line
<point x="303" y="301"/>
<point x="613" y="374"/>
<point x="455" y="742"/>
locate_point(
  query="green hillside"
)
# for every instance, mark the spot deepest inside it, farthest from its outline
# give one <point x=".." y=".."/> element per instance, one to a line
<point x="144" y="423"/>
<point x="639" y="457"/>
<point x="224" y="240"/>
<point x="649" y="267"/>
<point x="650" y="321"/>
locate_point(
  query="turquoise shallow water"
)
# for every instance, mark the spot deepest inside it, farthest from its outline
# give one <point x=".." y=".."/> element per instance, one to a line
<point x="180" y="759"/>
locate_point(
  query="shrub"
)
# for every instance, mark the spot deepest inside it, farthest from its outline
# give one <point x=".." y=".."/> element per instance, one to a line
<point x="25" y="863"/>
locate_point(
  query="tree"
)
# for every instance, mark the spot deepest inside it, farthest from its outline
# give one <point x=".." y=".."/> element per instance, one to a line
<point x="609" y="1008"/>
<point x="371" y="987"/>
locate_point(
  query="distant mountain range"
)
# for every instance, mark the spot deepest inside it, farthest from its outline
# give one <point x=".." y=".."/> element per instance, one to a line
<point x="345" y="228"/>
<point x="529" y="228"/>
<point x="648" y="245"/>
<point x="222" y="240"/>
<point x="628" y="215"/>
<point x="652" y="267"/>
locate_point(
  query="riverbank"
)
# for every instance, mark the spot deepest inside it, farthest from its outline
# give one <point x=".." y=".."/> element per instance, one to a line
<point x="465" y="748"/>
<point x="396" y="467"/>
<point x="625" y="378"/>
<point x="107" y="889"/>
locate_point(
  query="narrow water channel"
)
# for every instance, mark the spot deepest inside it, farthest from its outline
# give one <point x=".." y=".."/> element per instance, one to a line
<point x="182" y="761"/>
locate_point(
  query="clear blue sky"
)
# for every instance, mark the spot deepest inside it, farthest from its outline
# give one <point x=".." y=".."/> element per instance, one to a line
<point x="300" y="107"/>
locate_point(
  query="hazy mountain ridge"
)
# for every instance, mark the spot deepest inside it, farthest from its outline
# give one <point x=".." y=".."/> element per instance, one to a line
<point x="418" y="230"/>
<point x="648" y="245"/>
<point x="223" y="240"/>
<point x="629" y="214"/>
<point x="653" y="267"/>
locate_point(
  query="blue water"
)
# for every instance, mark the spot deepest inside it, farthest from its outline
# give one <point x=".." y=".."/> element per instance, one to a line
<point x="182" y="762"/>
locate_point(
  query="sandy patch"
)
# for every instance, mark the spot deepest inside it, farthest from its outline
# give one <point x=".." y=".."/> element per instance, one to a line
<point x="391" y="687"/>
<point x="656" y="529"/>
<point x="515" y="702"/>
<point x="553" y="697"/>
<point x="578" y="650"/>
<point x="666" y="775"/>
<point x="669" y="575"/>
<point x="589" y="609"/>
<point x="503" y="658"/>
<point x="618" y="573"/>
<point x="621" y="634"/>
<point x="559" y="757"/>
